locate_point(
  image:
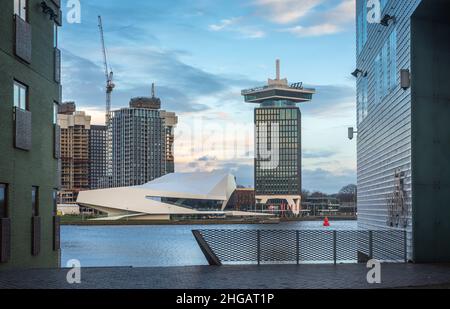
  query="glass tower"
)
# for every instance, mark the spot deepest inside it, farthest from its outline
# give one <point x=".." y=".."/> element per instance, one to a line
<point x="278" y="144"/>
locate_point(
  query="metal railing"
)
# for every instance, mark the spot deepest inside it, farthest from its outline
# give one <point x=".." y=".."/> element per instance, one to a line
<point x="301" y="246"/>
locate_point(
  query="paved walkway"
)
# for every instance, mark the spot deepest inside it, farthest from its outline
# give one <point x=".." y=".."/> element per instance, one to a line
<point x="233" y="277"/>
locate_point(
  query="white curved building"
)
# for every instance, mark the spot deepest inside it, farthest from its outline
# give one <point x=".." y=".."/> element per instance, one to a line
<point x="185" y="195"/>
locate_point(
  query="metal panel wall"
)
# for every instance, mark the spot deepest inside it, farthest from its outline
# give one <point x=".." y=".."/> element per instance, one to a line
<point x="384" y="139"/>
<point x="5" y="239"/>
<point x="22" y="136"/>
<point x="23" y="39"/>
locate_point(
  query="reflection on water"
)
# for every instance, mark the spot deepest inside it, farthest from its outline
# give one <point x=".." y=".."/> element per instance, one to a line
<point x="148" y="246"/>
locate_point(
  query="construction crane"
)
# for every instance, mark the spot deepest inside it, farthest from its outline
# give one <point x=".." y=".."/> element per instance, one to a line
<point x="109" y="89"/>
<point x="108" y="74"/>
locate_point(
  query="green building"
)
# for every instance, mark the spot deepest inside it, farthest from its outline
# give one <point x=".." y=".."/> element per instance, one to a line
<point x="30" y="92"/>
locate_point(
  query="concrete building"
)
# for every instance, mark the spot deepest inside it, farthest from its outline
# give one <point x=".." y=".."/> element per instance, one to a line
<point x="98" y="158"/>
<point x="170" y="122"/>
<point x="171" y="197"/>
<point x="403" y="123"/>
<point x="29" y="137"/>
<point x="75" y="135"/>
<point x="278" y="177"/>
<point x="140" y="142"/>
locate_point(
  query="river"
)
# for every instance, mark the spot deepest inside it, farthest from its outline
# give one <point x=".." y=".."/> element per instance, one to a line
<point x="152" y="245"/>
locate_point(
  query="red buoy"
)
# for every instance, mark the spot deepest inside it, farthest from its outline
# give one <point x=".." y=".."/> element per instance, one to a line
<point x="326" y="222"/>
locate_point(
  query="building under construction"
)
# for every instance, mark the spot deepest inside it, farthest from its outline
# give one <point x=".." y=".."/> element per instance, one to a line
<point x="75" y="127"/>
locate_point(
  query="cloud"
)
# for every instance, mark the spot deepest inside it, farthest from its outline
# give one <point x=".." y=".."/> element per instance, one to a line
<point x="207" y="158"/>
<point x="313" y="179"/>
<point x="318" y="154"/>
<point x="285" y="11"/>
<point x="316" y="30"/>
<point x="235" y="25"/>
<point x="331" y="100"/>
<point x="179" y="85"/>
<point x="317" y="17"/>
<point x="243" y="172"/>
<point x="224" y="23"/>
<point x="327" y="181"/>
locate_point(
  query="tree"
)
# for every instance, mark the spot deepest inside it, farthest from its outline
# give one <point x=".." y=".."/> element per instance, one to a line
<point x="349" y="189"/>
<point x="348" y="194"/>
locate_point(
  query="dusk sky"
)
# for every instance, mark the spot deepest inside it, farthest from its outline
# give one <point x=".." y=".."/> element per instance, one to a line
<point x="202" y="53"/>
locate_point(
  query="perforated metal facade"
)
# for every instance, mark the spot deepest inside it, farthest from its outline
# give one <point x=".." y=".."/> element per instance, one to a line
<point x="384" y="114"/>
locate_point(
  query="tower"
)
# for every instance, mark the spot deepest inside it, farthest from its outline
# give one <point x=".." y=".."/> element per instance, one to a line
<point x="277" y="118"/>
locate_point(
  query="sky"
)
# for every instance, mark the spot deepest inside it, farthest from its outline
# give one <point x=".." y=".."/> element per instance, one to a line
<point x="202" y="53"/>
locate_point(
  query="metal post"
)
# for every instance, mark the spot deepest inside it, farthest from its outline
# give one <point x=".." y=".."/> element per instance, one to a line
<point x="370" y="244"/>
<point x="405" y="245"/>
<point x="335" y="247"/>
<point x="297" y="246"/>
<point x="258" y="246"/>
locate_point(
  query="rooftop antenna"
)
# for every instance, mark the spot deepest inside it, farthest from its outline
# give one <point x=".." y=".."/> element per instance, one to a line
<point x="278" y="69"/>
<point x="153" y="90"/>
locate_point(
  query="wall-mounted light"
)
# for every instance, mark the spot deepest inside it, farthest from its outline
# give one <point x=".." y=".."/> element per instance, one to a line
<point x="358" y="72"/>
<point x="48" y="10"/>
<point x="351" y="133"/>
<point x="385" y="20"/>
<point x="405" y="79"/>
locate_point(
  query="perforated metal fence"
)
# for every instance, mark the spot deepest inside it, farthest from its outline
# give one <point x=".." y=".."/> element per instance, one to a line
<point x="301" y="246"/>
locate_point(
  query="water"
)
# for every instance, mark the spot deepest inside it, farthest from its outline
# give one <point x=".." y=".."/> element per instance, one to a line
<point x="152" y="245"/>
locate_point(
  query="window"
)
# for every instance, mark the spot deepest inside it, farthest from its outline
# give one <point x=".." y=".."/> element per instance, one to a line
<point x="55" y="202"/>
<point x="361" y="25"/>
<point x="35" y="201"/>
<point x="55" y="112"/>
<point x="385" y="68"/>
<point x="20" y="8"/>
<point x="363" y="87"/>
<point x="20" y="95"/>
<point x="55" y="35"/>
<point x="3" y="201"/>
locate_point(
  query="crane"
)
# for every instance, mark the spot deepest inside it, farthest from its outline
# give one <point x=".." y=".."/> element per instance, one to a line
<point x="109" y="89"/>
<point x="108" y="74"/>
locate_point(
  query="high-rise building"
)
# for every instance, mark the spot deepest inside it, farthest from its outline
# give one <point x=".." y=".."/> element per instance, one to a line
<point x="75" y="135"/>
<point x="278" y="156"/>
<point x="139" y="148"/>
<point x="403" y="123"/>
<point x="98" y="158"/>
<point x="170" y="122"/>
<point x="29" y="137"/>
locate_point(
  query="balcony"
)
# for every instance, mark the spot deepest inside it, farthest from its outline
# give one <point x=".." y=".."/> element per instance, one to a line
<point x="22" y="39"/>
<point x="22" y="129"/>
<point x="5" y="240"/>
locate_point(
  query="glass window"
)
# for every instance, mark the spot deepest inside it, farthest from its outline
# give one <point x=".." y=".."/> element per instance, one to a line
<point x="3" y="191"/>
<point x="20" y="95"/>
<point x="55" y="112"/>
<point x="20" y="8"/>
<point x="385" y="68"/>
<point x="55" y="202"/>
<point x="361" y="25"/>
<point x="35" y="201"/>
<point x="363" y="85"/>
<point x="55" y="35"/>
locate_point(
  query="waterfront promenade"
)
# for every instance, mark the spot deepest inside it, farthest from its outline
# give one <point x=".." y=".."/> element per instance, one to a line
<point x="347" y="276"/>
